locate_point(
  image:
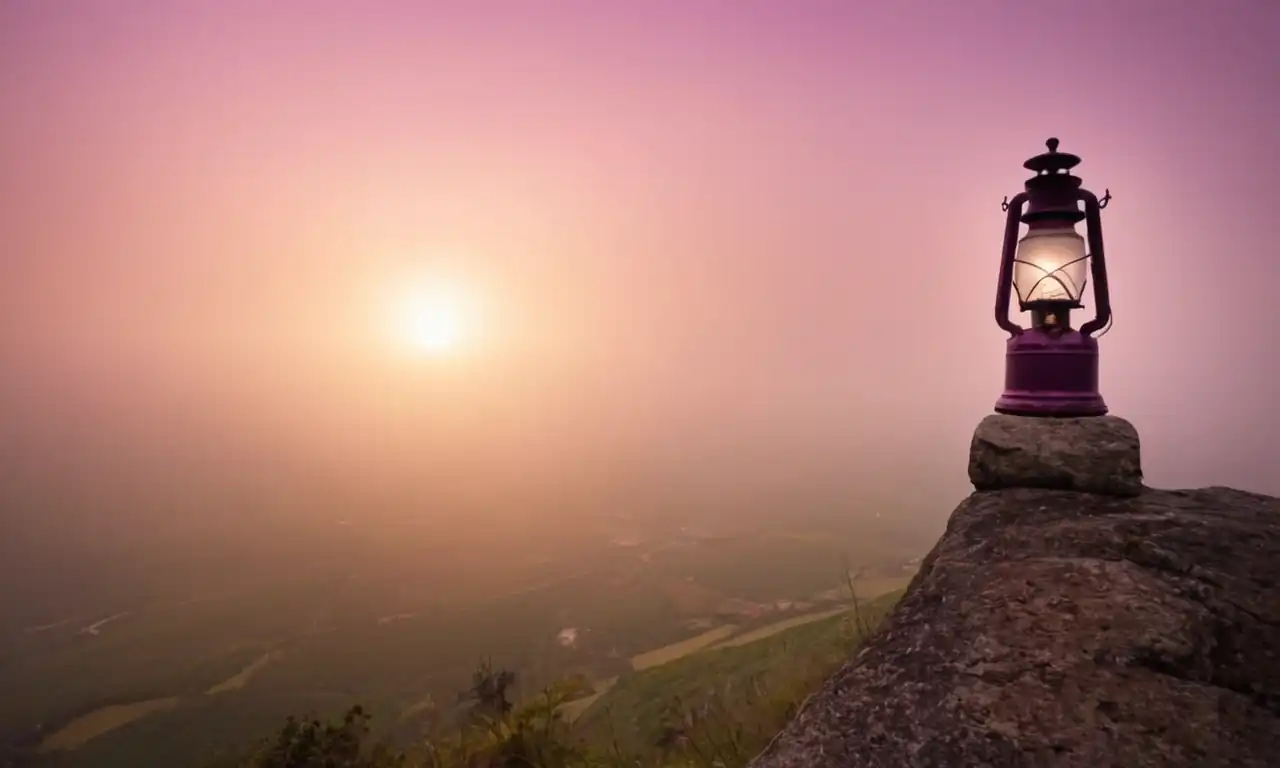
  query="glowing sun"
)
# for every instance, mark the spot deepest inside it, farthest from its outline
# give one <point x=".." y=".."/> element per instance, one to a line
<point x="436" y="319"/>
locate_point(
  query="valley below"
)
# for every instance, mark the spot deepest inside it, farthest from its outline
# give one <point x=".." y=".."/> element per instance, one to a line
<point x="188" y="678"/>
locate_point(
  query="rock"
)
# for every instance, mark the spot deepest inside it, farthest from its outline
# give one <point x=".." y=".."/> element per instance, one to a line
<point x="1062" y="629"/>
<point x="1098" y="454"/>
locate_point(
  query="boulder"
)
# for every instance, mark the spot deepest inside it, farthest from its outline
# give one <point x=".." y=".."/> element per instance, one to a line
<point x="1098" y="454"/>
<point x="1061" y="628"/>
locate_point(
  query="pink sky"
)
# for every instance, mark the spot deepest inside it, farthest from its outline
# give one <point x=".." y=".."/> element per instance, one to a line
<point x="733" y="249"/>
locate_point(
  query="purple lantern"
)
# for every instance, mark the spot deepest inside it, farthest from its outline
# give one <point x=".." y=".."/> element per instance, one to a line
<point x="1051" y="369"/>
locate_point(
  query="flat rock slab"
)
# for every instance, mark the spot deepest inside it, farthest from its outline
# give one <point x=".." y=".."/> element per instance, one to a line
<point x="1065" y="629"/>
<point x="1098" y="454"/>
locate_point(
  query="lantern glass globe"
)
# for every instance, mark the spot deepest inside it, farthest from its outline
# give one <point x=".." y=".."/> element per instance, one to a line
<point x="1050" y="267"/>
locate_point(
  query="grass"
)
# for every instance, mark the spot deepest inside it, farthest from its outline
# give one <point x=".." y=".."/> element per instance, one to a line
<point x="103" y="720"/>
<point x="769" y="630"/>
<point x="737" y="696"/>
<point x="669" y="653"/>
<point x="100" y="721"/>
<point x="572" y="710"/>
<point x="870" y="588"/>
<point x="242" y="678"/>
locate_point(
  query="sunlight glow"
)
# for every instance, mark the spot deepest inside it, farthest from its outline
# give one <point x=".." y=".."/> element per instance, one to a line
<point x="435" y="319"/>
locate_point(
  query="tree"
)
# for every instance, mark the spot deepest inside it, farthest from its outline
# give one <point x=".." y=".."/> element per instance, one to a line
<point x="312" y="744"/>
<point x="489" y="690"/>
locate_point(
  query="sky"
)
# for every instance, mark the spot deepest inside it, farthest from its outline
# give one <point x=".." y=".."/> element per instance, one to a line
<point x="726" y="254"/>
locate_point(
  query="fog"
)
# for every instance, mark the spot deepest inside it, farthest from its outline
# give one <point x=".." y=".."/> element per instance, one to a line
<point x="736" y="262"/>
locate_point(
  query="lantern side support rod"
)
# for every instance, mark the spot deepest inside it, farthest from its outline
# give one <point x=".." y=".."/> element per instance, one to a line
<point x="1101" y="291"/>
<point x="1014" y="208"/>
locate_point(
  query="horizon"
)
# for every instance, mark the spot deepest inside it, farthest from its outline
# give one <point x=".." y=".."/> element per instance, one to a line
<point x="728" y="262"/>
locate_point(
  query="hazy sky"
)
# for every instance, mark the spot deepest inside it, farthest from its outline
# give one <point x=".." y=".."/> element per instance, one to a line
<point x="728" y="250"/>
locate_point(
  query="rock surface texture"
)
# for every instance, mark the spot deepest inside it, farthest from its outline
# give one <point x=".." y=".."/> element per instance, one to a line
<point x="1098" y="454"/>
<point x="1062" y="628"/>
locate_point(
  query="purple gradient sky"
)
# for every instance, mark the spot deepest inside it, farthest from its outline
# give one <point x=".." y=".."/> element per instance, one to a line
<point x="735" y="248"/>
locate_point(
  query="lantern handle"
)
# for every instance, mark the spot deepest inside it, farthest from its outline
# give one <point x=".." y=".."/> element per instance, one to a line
<point x="1098" y="258"/>
<point x="1014" y="210"/>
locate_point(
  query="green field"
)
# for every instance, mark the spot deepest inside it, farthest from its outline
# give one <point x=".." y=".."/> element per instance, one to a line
<point x="770" y="630"/>
<point x="748" y="691"/>
<point x="100" y="721"/>
<point x="178" y="683"/>
<point x="668" y="653"/>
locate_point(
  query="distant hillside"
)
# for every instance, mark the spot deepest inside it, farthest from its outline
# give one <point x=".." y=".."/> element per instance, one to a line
<point x="717" y="706"/>
<point x="178" y="681"/>
<point x="734" y="696"/>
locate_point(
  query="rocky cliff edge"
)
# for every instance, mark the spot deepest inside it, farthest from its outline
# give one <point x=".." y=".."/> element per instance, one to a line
<point x="1129" y="627"/>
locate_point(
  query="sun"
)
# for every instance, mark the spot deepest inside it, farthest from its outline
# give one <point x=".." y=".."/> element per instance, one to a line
<point x="435" y="319"/>
<point x="434" y="327"/>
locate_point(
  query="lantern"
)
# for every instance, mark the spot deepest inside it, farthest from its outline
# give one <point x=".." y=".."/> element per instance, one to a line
<point x="1051" y="368"/>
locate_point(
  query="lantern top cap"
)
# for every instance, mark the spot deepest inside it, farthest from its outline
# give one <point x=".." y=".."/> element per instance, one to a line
<point x="1052" y="161"/>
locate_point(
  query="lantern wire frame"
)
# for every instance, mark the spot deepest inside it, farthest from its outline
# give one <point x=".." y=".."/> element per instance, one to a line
<point x="1111" y="318"/>
<point x="1057" y="275"/>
